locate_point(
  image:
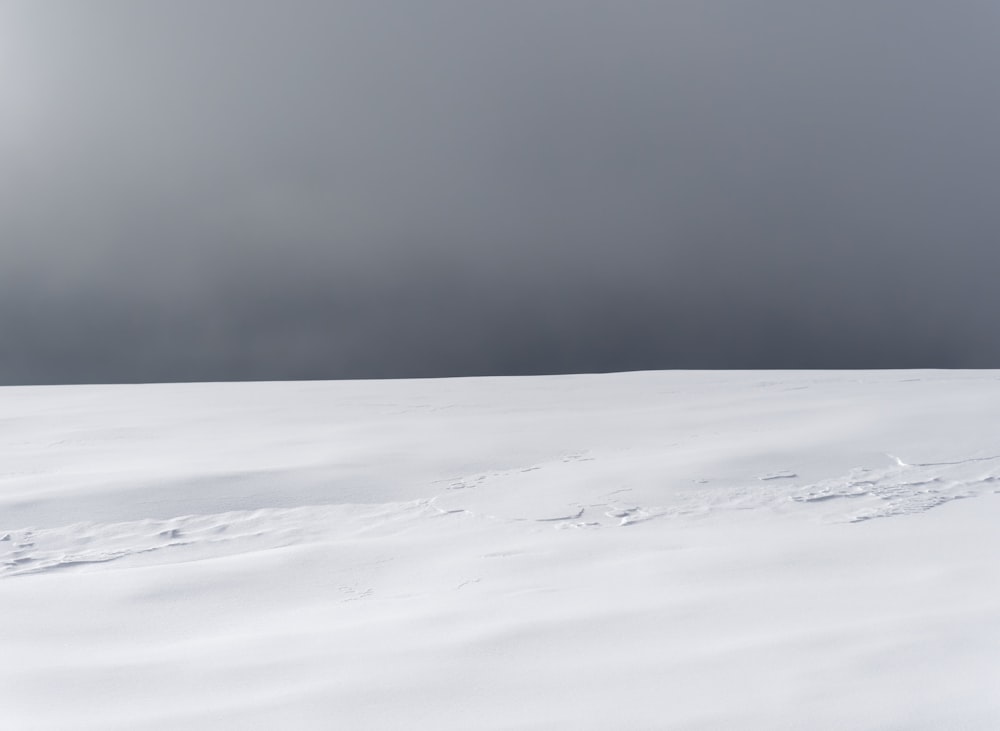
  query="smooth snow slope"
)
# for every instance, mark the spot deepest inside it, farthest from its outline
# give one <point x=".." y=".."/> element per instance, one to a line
<point x="675" y="550"/>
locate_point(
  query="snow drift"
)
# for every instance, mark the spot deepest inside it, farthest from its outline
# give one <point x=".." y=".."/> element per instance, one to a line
<point x="669" y="550"/>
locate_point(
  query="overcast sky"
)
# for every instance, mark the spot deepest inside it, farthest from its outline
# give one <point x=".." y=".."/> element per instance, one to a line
<point x="240" y="189"/>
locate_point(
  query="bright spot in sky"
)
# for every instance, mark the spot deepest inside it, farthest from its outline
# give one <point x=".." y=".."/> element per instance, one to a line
<point x="19" y="87"/>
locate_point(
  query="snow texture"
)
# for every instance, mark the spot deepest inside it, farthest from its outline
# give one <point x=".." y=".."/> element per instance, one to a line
<point x="664" y="550"/>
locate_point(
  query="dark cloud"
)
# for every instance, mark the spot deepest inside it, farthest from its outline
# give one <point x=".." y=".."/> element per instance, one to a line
<point x="234" y="189"/>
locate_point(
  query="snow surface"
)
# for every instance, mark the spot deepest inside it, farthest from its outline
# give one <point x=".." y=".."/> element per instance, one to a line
<point x="667" y="550"/>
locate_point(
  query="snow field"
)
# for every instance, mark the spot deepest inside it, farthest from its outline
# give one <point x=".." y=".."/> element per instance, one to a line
<point x="677" y="550"/>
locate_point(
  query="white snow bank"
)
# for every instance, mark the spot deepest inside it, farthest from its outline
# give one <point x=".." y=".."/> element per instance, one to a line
<point x="757" y="550"/>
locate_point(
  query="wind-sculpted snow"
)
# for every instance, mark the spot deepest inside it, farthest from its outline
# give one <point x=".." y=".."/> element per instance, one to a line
<point x="650" y="550"/>
<point x="180" y="539"/>
<point x="900" y="489"/>
<point x="873" y="493"/>
<point x="903" y="489"/>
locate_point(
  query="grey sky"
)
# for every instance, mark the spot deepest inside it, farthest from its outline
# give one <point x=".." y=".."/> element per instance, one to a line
<point x="220" y="189"/>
